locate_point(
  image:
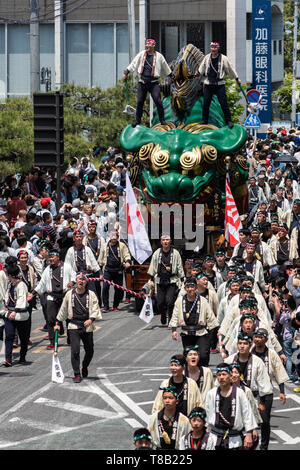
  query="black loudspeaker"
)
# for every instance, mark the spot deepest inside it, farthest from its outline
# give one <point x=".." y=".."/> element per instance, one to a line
<point x="48" y="129"/>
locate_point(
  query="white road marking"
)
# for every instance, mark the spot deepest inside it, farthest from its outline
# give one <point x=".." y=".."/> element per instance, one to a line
<point x="137" y="392"/>
<point x="93" y="388"/>
<point x="129" y="371"/>
<point x="87" y="410"/>
<point x="125" y="399"/>
<point x="156" y="380"/>
<point x="129" y="382"/>
<point x="285" y="410"/>
<point x="26" y="400"/>
<point x="295" y="422"/>
<point x="286" y="437"/>
<point x="145" y="402"/>
<point x="133" y="423"/>
<point x="158" y="374"/>
<point x="4" y="444"/>
<point x="50" y="427"/>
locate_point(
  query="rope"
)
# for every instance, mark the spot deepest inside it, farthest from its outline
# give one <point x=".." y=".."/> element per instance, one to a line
<point x="137" y="294"/>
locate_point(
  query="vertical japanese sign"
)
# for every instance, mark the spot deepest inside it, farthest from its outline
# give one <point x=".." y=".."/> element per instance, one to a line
<point x="262" y="56"/>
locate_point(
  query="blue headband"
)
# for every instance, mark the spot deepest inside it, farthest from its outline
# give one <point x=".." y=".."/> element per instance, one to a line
<point x="220" y="369"/>
<point x="142" y="436"/>
<point x="170" y="389"/>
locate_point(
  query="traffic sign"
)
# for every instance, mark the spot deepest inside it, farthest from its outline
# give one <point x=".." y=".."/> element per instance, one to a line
<point x="252" y="121"/>
<point x="254" y="96"/>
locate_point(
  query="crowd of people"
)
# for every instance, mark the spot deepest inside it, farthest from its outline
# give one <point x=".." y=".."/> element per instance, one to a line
<point x="238" y="302"/>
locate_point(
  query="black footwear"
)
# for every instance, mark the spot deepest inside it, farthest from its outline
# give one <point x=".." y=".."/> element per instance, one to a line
<point x="135" y="123"/>
<point x="230" y="124"/>
<point x="45" y="328"/>
<point x="7" y="364"/>
<point x="22" y="360"/>
<point x="84" y="372"/>
<point x="163" y="123"/>
<point x="163" y="318"/>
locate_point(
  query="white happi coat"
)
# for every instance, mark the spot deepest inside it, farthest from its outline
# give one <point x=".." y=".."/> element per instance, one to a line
<point x="230" y="340"/>
<point x="207" y="383"/>
<point x="91" y="262"/>
<point x="260" y="380"/>
<point x="194" y="397"/>
<point x="183" y="428"/>
<point x="224" y="306"/>
<point x="275" y="368"/>
<point x="261" y="305"/>
<point x="66" y="311"/>
<point x="45" y="285"/>
<point x="244" y="419"/>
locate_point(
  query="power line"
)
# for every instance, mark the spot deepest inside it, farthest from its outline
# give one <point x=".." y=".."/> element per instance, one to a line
<point x="42" y="17"/>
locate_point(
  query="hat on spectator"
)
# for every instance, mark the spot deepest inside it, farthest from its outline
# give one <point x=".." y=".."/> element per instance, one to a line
<point x="74" y="211"/>
<point x="45" y="201"/>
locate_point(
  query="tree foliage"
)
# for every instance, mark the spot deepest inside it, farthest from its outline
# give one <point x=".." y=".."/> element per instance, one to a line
<point x="289" y="35"/>
<point x="284" y="94"/>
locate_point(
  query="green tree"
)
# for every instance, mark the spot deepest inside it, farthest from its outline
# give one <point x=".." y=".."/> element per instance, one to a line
<point x="284" y="94"/>
<point x="234" y="97"/>
<point x="16" y="135"/>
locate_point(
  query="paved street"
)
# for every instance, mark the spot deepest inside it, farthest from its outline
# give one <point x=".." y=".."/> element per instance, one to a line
<point x="131" y="359"/>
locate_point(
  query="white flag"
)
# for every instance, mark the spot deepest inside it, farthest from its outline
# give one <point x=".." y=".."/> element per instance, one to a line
<point x="57" y="373"/>
<point x="138" y="240"/>
<point x="147" y="310"/>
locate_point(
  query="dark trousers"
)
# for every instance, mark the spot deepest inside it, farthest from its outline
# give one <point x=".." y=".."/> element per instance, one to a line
<point x="154" y="91"/>
<point x="209" y="92"/>
<point x="52" y="311"/>
<point x="166" y="297"/>
<point x="23" y="329"/>
<point x="213" y="338"/>
<point x="117" y="278"/>
<point x="265" y="427"/>
<point x="88" y="345"/>
<point x="203" y="343"/>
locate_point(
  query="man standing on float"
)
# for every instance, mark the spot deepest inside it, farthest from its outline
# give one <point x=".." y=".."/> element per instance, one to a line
<point x="150" y="65"/>
<point x="215" y="67"/>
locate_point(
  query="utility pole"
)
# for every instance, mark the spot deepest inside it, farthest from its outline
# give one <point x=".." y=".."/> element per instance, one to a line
<point x="58" y="43"/>
<point x="143" y="33"/>
<point x="34" y="47"/>
<point x="131" y="29"/>
<point x="294" y="64"/>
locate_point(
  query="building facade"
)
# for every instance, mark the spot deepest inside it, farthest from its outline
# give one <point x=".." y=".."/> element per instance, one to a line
<point x="94" y="39"/>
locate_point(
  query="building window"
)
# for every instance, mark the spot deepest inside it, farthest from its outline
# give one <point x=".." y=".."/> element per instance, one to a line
<point x="280" y="47"/>
<point x="170" y="40"/>
<point x="219" y="34"/>
<point x="249" y="26"/>
<point x="47" y="49"/>
<point x="102" y="55"/>
<point x="195" y="35"/>
<point x="123" y="47"/>
<point x="2" y="61"/>
<point x="18" y="59"/>
<point x="274" y="47"/>
<point x="77" y="54"/>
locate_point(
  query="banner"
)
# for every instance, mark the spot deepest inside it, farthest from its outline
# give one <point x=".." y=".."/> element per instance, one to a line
<point x="262" y="56"/>
<point x="57" y="373"/>
<point x="147" y="310"/>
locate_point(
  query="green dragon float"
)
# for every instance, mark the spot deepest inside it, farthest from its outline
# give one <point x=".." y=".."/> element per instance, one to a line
<point x="186" y="161"/>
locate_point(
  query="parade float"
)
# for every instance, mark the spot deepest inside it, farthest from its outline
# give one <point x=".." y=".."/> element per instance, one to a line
<point x="184" y="161"/>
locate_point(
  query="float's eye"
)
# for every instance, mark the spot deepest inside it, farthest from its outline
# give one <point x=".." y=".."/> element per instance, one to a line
<point x="159" y="158"/>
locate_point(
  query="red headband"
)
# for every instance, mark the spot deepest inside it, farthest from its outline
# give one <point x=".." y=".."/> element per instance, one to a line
<point x="151" y="40"/>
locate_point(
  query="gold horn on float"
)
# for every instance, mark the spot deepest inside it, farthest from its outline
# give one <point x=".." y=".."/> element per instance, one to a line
<point x="145" y="152"/>
<point x="209" y="154"/>
<point x="159" y="159"/>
